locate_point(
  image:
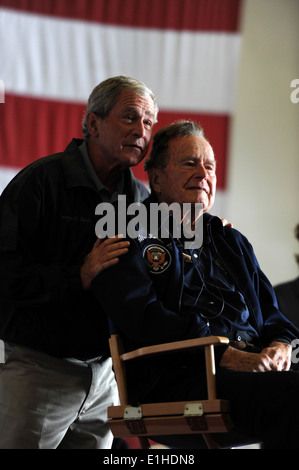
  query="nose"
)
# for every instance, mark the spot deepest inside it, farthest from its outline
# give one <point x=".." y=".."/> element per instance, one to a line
<point x="139" y="128"/>
<point x="201" y="171"/>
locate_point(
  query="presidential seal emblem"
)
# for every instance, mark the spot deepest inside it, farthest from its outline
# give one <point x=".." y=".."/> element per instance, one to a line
<point x="158" y="258"/>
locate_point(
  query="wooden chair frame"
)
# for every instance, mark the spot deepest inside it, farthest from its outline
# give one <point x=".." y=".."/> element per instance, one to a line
<point x="155" y="419"/>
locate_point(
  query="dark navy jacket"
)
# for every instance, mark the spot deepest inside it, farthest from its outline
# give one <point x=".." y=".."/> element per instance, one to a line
<point x="143" y="295"/>
<point x="47" y="227"/>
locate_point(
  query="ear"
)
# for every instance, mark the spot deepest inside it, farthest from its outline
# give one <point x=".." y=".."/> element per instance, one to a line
<point x="154" y="178"/>
<point x="92" y="121"/>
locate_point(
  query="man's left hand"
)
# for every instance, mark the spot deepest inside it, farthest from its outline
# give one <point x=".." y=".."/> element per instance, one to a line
<point x="280" y="353"/>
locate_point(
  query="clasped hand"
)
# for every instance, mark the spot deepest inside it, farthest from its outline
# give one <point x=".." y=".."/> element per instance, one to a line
<point x="275" y="357"/>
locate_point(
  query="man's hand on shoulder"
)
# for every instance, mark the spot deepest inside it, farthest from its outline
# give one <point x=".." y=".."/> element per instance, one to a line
<point x="103" y="255"/>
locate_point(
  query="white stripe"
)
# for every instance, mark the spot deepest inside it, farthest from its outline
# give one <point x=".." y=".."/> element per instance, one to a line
<point x="221" y="203"/>
<point x="64" y="59"/>
<point x="6" y="175"/>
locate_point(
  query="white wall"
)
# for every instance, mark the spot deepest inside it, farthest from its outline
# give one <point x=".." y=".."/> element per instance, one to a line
<point x="264" y="169"/>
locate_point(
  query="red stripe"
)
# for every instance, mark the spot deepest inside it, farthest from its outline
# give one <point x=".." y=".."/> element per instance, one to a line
<point x="33" y="128"/>
<point x="191" y="15"/>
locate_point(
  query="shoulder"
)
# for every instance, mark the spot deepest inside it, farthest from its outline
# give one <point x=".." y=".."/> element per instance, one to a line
<point x="48" y="168"/>
<point x="32" y="175"/>
<point x="289" y="286"/>
<point x="144" y="193"/>
<point x="215" y="226"/>
<point x="229" y="240"/>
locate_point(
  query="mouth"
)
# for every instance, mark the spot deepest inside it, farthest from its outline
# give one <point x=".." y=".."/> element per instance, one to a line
<point x="134" y="146"/>
<point x="199" y="188"/>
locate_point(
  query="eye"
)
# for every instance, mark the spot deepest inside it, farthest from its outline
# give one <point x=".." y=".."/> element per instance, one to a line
<point x="189" y="163"/>
<point x="148" y="124"/>
<point x="210" y="166"/>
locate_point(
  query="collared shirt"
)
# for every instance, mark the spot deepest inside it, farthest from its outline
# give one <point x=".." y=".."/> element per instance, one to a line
<point x="103" y="191"/>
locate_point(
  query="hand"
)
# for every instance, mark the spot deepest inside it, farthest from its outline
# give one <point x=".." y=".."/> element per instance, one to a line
<point x="281" y="355"/>
<point x="225" y="222"/>
<point x="103" y="255"/>
<point x="277" y="356"/>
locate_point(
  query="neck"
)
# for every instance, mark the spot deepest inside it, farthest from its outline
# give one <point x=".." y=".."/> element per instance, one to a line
<point x="191" y="216"/>
<point x="106" y="172"/>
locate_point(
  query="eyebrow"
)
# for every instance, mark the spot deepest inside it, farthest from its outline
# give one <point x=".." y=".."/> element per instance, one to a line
<point x="212" y="162"/>
<point x="194" y="158"/>
<point x="133" y="110"/>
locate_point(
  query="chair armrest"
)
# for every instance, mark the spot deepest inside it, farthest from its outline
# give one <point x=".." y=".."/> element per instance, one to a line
<point x="174" y="346"/>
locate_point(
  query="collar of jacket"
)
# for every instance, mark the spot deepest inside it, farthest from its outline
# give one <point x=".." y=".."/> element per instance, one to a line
<point x="74" y="168"/>
<point x="76" y="173"/>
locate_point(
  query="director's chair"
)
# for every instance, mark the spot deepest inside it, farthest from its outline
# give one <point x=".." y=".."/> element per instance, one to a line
<point x="204" y="417"/>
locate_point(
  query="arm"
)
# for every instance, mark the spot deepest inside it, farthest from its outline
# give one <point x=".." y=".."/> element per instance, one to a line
<point x="46" y="232"/>
<point x="138" y="308"/>
<point x="259" y="293"/>
<point x="42" y="254"/>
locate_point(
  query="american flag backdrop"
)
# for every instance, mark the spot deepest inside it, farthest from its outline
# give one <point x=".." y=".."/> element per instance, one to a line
<point x="53" y="53"/>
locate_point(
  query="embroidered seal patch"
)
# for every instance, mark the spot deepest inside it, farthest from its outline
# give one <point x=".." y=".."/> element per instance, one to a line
<point x="158" y="258"/>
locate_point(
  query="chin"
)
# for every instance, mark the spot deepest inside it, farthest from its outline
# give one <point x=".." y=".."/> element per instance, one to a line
<point x="206" y="205"/>
<point x="131" y="161"/>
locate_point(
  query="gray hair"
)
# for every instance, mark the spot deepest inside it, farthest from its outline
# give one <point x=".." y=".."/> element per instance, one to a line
<point x="103" y="97"/>
<point x="159" y="155"/>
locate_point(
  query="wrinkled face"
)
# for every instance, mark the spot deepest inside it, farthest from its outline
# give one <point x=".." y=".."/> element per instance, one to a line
<point x="190" y="174"/>
<point x="123" y="137"/>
